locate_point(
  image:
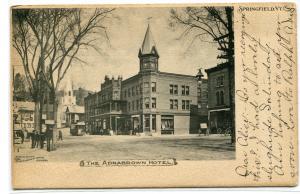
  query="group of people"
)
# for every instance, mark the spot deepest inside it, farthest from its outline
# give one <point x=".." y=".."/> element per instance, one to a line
<point x="38" y="139"/>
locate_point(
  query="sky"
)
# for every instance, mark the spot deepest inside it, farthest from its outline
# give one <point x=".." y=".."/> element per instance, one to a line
<point x="126" y="34"/>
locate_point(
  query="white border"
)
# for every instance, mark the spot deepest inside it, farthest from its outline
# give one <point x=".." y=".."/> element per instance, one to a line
<point x="5" y="168"/>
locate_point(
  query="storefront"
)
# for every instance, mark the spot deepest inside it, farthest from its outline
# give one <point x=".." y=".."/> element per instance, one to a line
<point x="219" y="118"/>
<point x="167" y="124"/>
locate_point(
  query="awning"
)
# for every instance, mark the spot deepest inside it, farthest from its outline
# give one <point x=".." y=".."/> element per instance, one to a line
<point x="223" y="109"/>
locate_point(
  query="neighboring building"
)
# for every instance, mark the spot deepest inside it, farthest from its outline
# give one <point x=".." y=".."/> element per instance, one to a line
<point x="74" y="115"/>
<point x="151" y="102"/>
<point x="80" y="94"/>
<point x="199" y="112"/>
<point x="23" y="112"/>
<point x="104" y="108"/>
<point x="203" y="100"/>
<point x="69" y="97"/>
<point x="218" y="95"/>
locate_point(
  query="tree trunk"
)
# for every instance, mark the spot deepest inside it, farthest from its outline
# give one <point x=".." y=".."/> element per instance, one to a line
<point x="37" y="120"/>
<point x="229" y="12"/>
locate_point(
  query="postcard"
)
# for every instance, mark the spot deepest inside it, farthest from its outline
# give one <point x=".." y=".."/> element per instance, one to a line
<point x="154" y="96"/>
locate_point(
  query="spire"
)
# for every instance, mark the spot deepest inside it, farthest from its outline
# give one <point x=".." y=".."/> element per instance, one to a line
<point x="148" y="43"/>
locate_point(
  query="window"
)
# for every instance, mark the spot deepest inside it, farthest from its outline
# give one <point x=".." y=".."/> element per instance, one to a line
<point x="137" y="104"/>
<point x="220" y="97"/>
<point x="116" y="93"/>
<point x="154" y="122"/>
<point x="146" y="86"/>
<point x="171" y="104"/>
<point x="141" y="88"/>
<point x="137" y="90"/>
<point x="132" y="105"/>
<point x="187" y="105"/>
<point x="128" y="106"/>
<point x="167" y="124"/>
<point x="69" y="93"/>
<point x="133" y="93"/>
<point x="125" y="92"/>
<point x="129" y="92"/>
<point x="175" y="89"/>
<point x="147" y="121"/>
<point x="153" y="86"/>
<point x="153" y="102"/>
<point x="220" y="81"/>
<point x="171" y="89"/>
<point x="176" y="104"/>
<point x="183" y="90"/>
<point x="147" y="103"/>
<point x="187" y="90"/>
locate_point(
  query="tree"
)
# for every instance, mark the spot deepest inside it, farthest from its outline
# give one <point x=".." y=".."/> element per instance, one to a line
<point x="48" y="42"/>
<point x="214" y="25"/>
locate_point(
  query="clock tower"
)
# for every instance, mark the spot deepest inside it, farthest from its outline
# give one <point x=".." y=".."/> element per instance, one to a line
<point x="148" y="54"/>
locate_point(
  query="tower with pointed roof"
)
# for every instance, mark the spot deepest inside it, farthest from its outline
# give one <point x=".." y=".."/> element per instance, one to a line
<point x="148" y="54"/>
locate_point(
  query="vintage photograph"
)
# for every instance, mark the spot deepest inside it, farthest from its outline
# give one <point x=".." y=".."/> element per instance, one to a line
<point x="153" y="96"/>
<point x="123" y="83"/>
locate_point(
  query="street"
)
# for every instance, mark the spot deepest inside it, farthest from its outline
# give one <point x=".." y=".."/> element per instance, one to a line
<point x="95" y="147"/>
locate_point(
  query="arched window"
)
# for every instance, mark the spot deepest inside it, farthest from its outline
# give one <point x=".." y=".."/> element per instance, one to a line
<point x="218" y="98"/>
<point x="221" y="97"/>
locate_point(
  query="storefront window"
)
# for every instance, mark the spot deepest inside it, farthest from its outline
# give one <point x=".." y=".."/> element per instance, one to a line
<point x="154" y="122"/>
<point x="147" y="121"/>
<point x="167" y="122"/>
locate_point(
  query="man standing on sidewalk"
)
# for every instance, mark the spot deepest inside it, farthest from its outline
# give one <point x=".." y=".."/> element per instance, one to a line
<point x="33" y="139"/>
<point x="60" y="135"/>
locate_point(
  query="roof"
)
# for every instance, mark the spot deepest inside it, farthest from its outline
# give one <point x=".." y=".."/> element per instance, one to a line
<point x="217" y="68"/>
<point x="148" y="43"/>
<point x="136" y="76"/>
<point x="75" y="109"/>
<point x="176" y="74"/>
<point x="23" y="106"/>
<point x="131" y="78"/>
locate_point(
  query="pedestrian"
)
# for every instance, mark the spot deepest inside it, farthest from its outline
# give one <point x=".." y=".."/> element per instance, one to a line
<point x="37" y="139"/>
<point x="22" y="136"/>
<point x="207" y="131"/>
<point x="33" y="139"/>
<point x="60" y="135"/>
<point x="42" y="140"/>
